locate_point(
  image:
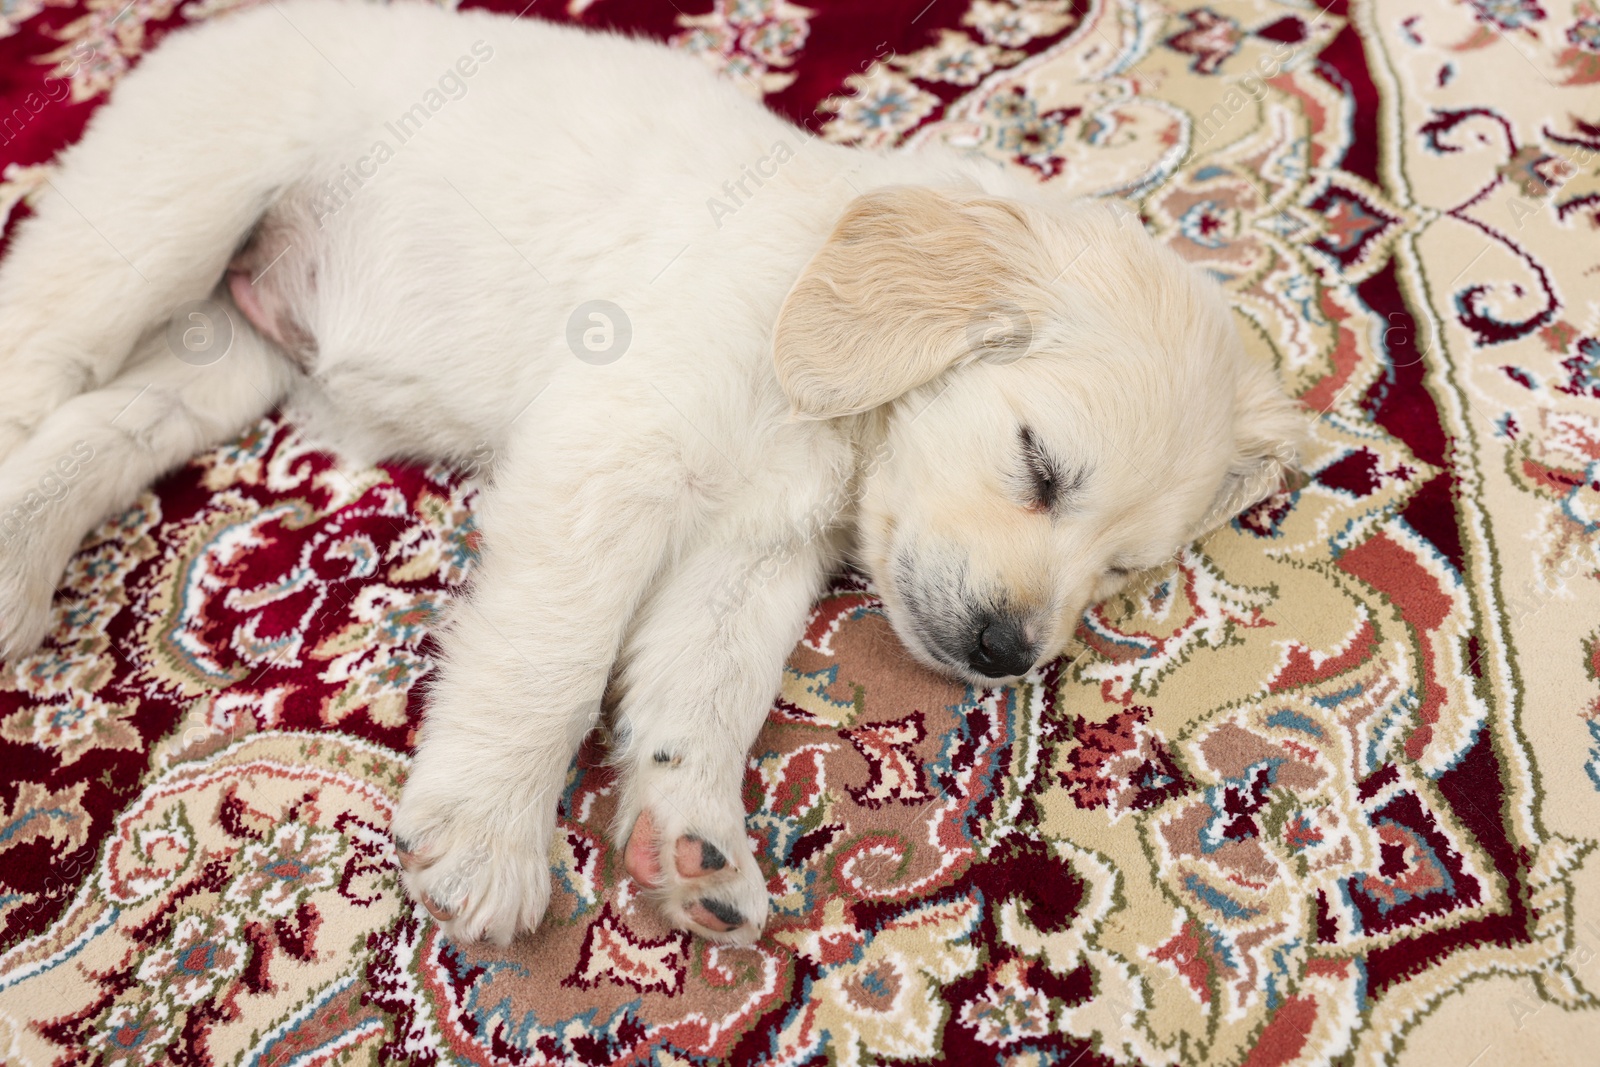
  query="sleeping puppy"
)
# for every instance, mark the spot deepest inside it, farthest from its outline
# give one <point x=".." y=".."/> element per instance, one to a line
<point x="712" y="357"/>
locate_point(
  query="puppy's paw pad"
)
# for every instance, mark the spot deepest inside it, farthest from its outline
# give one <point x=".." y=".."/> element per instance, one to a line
<point x="716" y="892"/>
<point x="441" y="913"/>
<point x="694" y="857"/>
<point x="411" y="857"/>
<point x="715" y="914"/>
<point x="640" y="856"/>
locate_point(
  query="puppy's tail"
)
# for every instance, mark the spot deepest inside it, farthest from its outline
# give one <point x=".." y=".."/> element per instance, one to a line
<point x="147" y="209"/>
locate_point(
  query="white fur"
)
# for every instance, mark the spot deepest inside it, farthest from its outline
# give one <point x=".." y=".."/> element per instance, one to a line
<point x="662" y="521"/>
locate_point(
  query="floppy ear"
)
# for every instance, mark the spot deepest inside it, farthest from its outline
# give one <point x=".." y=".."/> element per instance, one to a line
<point x="908" y="284"/>
<point x="1269" y="433"/>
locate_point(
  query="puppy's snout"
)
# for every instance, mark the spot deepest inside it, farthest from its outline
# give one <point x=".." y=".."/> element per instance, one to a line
<point x="1000" y="647"/>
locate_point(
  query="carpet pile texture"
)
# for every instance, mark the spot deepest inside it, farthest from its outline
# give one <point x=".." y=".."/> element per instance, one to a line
<point x="1325" y="790"/>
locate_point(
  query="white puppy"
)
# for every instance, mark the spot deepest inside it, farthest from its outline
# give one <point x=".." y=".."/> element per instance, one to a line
<point x="713" y="357"/>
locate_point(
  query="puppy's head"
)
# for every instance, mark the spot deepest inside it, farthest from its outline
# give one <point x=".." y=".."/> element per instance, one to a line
<point x="1063" y="402"/>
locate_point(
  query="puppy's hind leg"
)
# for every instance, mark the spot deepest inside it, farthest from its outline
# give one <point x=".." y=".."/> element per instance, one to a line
<point x="144" y="212"/>
<point x="93" y="455"/>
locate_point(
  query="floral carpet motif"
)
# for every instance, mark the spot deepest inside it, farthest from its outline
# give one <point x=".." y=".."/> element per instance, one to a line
<point x="1324" y="790"/>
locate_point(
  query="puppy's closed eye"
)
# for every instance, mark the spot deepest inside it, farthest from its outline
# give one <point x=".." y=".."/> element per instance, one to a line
<point x="1045" y="484"/>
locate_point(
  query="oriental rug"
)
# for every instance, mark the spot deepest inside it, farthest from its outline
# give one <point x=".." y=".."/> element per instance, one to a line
<point x="1323" y="791"/>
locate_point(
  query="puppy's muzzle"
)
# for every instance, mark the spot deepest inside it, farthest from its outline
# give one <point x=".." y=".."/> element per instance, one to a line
<point x="1000" y="647"/>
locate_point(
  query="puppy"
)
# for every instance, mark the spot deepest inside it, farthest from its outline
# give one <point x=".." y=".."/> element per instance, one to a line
<point x="712" y="356"/>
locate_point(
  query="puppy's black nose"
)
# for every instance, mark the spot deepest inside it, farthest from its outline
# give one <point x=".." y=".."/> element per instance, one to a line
<point x="1000" y="648"/>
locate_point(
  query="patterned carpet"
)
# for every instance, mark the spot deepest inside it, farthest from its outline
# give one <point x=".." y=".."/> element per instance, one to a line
<point x="1323" y="792"/>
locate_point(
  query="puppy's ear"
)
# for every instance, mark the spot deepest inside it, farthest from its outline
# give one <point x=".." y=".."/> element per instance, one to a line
<point x="909" y="283"/>
<point x="1270" y="433"/>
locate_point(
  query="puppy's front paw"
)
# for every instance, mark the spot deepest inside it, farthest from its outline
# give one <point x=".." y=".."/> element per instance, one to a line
<point x="700" y="871"/>
<point x="477" y="865"/>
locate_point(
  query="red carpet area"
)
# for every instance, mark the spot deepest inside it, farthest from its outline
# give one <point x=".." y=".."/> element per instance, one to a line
<point x="1325" y="790"/>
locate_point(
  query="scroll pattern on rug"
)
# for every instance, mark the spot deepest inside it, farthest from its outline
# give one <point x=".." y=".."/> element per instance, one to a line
<point x="1279" y="801"/>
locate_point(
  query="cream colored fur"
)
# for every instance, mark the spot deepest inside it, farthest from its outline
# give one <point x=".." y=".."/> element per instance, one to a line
<point x="845" y="367"/>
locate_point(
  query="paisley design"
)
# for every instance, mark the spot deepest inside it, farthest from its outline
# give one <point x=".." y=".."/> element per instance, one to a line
<point x="1322" y="788"/>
